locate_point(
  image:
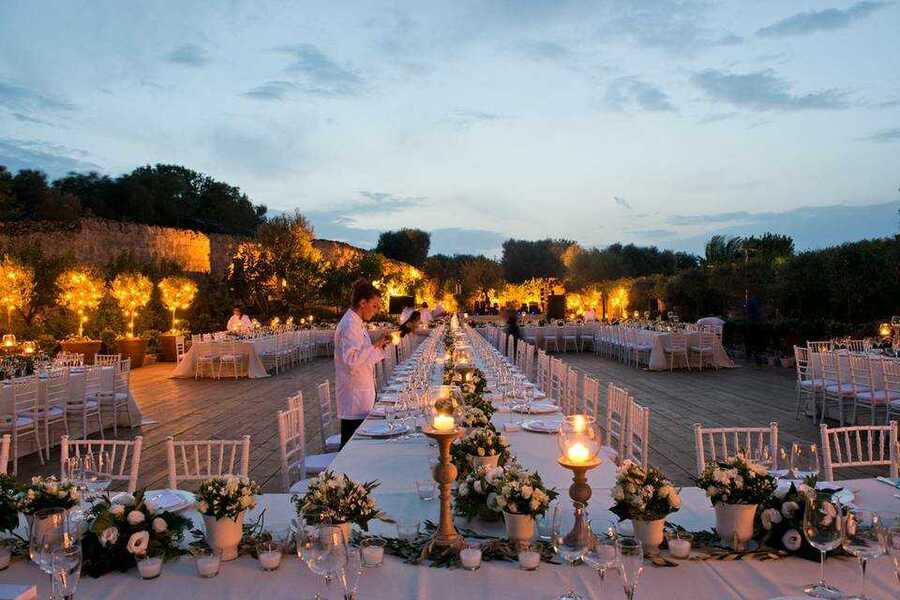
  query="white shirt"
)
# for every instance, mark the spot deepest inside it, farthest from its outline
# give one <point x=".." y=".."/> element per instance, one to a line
<point x="590" y="315"/>
<point x="242" y="323"/>
<point x="426" y="316"/>
<point x="404" y="314"/>
<point x="354" y="367"/>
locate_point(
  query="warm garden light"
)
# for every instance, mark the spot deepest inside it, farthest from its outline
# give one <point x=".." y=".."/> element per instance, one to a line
<point x="79" y="291"/>
<point x="132" y="291"/>
<point x="16" y="286"/>
<point x="884" y="330"/>
<point x="9" y="341"/>
<point x="29" y="347"/>
<point x="177" y="294"/>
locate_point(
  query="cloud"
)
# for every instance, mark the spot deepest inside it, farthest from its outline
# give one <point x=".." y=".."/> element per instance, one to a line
<point x="29" y="119"/>
<point x="629" y="92"/>
<point x="53" y="159"/>
<point x="17" y="97"/>
<point x="717" y="117"/>
<point x="653" y="233"/>
<point x="258" y="152"/>
<point x="713" y="218"/>
<point x="189" y="55"/>
<point x="319" y="74"/>
<point x="455" y="240"/>
<point x="820" y="20"/>
<point x="622" y="202"/>
<point x="271" y="90"/>
<point x="763" y="90"/>
<point x="884" y="136"/>
<point x="381" y="203"/>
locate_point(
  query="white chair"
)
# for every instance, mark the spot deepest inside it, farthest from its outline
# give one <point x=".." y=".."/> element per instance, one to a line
<point x="55" y="404"/>
<point x="204" y="357"/>
<point x="716" y="443"/>
<point x="295" y="401"/>
<point x="542" y="377"/>
<point x="826" y="346"/>
<point x="23" y="420"/>
<point x="808" y="386"/>
<point x="587" y="337"/>
<point x="704" y="349"/>
<point x="639" y="348"/>
<point x="617" y="402"/>
<point x="197" y="460"/>
<point x="292" y="444"/>
<point x="890" y="372"/>
<point x="331" y="443"/>
<point x="677" y="347"/>
<point x="229" y="358"/>
<point x="591" y="396"/>
<point x="569" y="335"/>
<point x="84" y="405"/>
<point x="637" y="435"/>
<point x="838" y="387"/>
<point x="179" y="349"/>
<point x="557" y="380"/>
<point x="116" y="399"/>
<point x="4" y="453"/>
<point x="858" y="446"/>
<point x="571" y="397"/>
<point x="867" y="392"/>
<point x="107" y="360"/>
<point x="124" y="456"/>
<point x="551" y="334"/>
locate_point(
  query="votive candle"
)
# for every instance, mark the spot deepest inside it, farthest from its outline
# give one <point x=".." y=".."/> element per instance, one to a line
<point x="372" y="554"/>
<point x="470" y="558"/>
<point x="444" y="422"/>
<point x="149" y="567"/>
<point x="269" y="555"/>
<point x="208" y="566"/>
<point x="578" y="453"/>
<point x="529" y="559"/>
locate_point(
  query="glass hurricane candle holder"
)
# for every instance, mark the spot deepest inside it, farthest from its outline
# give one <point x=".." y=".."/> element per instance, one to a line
<point x="9" y="340"/>
<point x="29" y="347"/>
<point x="578" y="440"/>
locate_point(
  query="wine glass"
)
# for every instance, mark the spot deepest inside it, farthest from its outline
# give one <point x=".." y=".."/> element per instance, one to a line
<point x="350" y="574"/>
<point x="605" y="553"/>
<point x="863" y="538"/>
<point x="890" y="538"/>
<point x="823" y="528"/>
<point x="97" y="468"/>
<point x="631" y="563"/>
<point x="66" y="571"/>
<point x="804" y="461"/>
<point x="389" y="413"/>
<point x="571" y="550"/>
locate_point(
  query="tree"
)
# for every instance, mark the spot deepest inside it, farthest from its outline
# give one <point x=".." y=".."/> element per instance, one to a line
<point x="177" y="294"/>
<point x="16" y="286"/>
<point x="80" y="291"/>
<point x="406" y="245"/>
<point x="721" y="250"/>
<point x="132" y="291"/>
<point x="525" y="259"/>
<point x="481" y="276"/>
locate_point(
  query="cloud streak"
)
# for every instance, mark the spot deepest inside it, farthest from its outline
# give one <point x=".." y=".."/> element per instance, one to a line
<point x="627" y="93"/>
<point x="53" y="159"/>
<point x="189" y="55"/>
<point x="821" y="20"/>
<point x="320" y="75"/>
<point x="17" y="97"/>
<point x="763" y="90"/>
<point x="884" y="136"/>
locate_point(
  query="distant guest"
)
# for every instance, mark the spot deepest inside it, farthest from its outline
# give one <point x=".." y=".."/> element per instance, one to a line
<point x="238" y="323"/>
<point x="512" y="323"/>
<point x="411" y="323"/>
<point x="355" y="357"/>
<point x="425" y="313"/>
<point x="590" y="315"/>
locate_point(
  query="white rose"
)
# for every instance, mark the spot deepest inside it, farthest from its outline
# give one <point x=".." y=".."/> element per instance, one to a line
<point x="138" y="542"/>
<point x="477" y="486"/>
<point x="160" y="525"/>
<point x="464" y="489"/>
<point x="124" y="499"/>
<point x="774" y="515"/>
<point x="117" y="510"/>
<point x="618" y="494"/>
<point x="789" y="509"/>
<point x="792" y="540"/>
<point x="663" y="492"/>
<point x="109" y="536"/>
<point x="135" y="517"/>
<point x="527" y="491"/>
<point x="674" y="500"/>
<point x="766" y="520"/>
<point x="202" y="507"/>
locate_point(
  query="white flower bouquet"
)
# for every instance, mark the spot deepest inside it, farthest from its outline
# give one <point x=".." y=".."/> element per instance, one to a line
<point x="226" y="496"/>
<point x="474" y="417"/>
<point x="643" y="494"/>
<point x="47" y="492"/>
<point x="522" y="492"/>
<point x="476" y="494"/>
<point x="736" y="480"/>
<point x="481" y="442"/>
<point x="337" y="499"/>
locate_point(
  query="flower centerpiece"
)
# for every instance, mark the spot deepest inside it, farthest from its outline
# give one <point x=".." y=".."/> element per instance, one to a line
<point x="471" y="418"/>
<point x="338" y="500"/>
<point x="736" y="486"/>
<point x="479" y="401"/>
<point x="222" y="501"/>
<point x="479" y="447"/>
<point x="522" y="496"/>
<point x="46" y="492"/>
<point x="646" y="496"/>
<point x="781" y="519"/>
<point x="476" y="494"/>
<point x="447" y="405"/>
<point x="9" y="505"/>
<point x="122" y="531"/>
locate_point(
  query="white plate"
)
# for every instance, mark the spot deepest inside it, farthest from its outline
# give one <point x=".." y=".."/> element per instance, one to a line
<point x="537" y="408"/>
<point x="380" y="429"/>
<point x="169" y="500"/>
<point x="388" y="398"/>
<point x="541" y="425"/>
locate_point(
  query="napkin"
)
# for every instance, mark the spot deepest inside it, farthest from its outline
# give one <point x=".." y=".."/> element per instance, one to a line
<point x="512" y="427"/>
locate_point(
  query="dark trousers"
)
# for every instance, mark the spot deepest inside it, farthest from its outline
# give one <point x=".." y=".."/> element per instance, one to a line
<point x="348" y="428"/>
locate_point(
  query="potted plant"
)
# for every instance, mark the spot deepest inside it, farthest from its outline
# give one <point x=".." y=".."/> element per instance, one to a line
<point x="646" y="497"/>
<point x="132" y="291"/>
<point x="338" y="500"/>
<point x="522" y="496"/>
<point x="80" y="291"/>
<point x="223" y="500"/>
<point x="476" y="494"/>
<point x="736" y="486"/>
<point x="480" y="447"/>
<point x="177" y="293"/>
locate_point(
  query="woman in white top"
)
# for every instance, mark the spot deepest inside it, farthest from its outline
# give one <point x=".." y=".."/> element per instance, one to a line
<point x="355" y="357"/>
<point x="239" y="323"/>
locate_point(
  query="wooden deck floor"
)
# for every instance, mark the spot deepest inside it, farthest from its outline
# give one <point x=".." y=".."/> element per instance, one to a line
<point x="225" y="409"/>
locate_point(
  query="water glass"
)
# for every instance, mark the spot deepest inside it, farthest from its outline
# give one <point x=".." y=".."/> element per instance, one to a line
<point x="631" y="563"/>
<point x="426" y="489"/>
<point x="571" y="551"/>
<point x="890" y="540"/>
<point x="49" y="532"/>
<point x="823" y="528"/>
<point x="804" y="461"/>
<point x="66" y="567"/>
<point x="605" y="553"/>
<point x="407" y="529"/>
<point x="863" y="538"/>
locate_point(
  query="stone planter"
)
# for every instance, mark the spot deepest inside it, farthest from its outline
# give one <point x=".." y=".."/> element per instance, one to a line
<point x="134" y="349"/>
<point x="519" y="528"/>
<point x="650" y="533"/>
<point x="734" y="523"/>
<point x="224" y="535"/>
<point x="166" y="352"/>
<point x="86" y="347"/>
<point x="484" y="461"/>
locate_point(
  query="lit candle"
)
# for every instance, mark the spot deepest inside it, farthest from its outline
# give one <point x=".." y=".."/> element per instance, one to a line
<point x="208" y="566"/>
<point x="444" y="422"/>
<point x="149" y="567"/>
<point x="395" y="338"/>
<point x="529" y="559"/>
<point x="270" y="559"/>
<point x="470" y="558"/>
<point x="680" y="548"/>
<point x="578" y="423"/>
<point x="578" y="453"/>
<point x="372" y="552"/>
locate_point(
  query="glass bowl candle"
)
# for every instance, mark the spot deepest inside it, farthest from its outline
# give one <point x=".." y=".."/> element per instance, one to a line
<point x="578" y="441"/>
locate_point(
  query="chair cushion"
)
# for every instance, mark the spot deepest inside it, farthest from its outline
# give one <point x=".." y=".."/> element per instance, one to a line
<point x="701" y="348"/>
<point x="809" y="384"/>
<point x="107" y="396"/>
<point x="228" y="357"/>
<point x="845" y="389"/>
<point x="55" y="412"/>
<point x="316" y="463"/>
<point x="878" y="397"/>
<point x="21" y="422"/>
<point x="89" y="404"/>
<point x="333" y="443"/>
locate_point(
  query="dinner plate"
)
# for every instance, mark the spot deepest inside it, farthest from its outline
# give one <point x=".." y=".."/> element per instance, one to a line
<point x="541" y="425"/>
<point x="389" y="398"/>
<point x="380" y="429"/>
<point x="169" y="500"/>
<point x="537" y="408"/>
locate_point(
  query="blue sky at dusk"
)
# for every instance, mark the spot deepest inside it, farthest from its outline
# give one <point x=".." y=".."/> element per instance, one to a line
<point x="655" y="122"/>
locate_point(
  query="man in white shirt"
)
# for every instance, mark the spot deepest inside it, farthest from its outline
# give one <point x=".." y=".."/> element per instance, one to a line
<point x="355" y="357"/>
<point x="239" y="323"/>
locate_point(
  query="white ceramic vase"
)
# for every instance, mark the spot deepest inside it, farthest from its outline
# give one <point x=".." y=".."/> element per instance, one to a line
<point x="224" y="535"/>
<point x="734" y="523"/>
<point x="519" y="528"/>
<point x="650" y="533"/>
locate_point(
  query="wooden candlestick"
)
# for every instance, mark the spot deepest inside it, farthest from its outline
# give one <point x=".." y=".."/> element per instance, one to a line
<point x="446" y="536"/>
<point x="580" y="493"/>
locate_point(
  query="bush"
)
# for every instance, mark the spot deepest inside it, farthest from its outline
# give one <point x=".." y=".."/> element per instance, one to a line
<point x="152" y="337"/>
<point x="108" y="338"/>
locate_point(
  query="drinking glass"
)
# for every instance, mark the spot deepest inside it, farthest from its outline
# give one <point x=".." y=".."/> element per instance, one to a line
<point x="66" y="567"/>
<point x="351" y="572"/>
<point x="605" y="553"/>
<point x="890" y="538"/>
<point x="426" y="489"/>
<point x="324" y="550"/>
<point x="407" y="529"/>
<point x="804" y="461"/>
<point x="389" y="413"/>
<point x="97" y="468"/>
<point x="570" y="551"/>
<point x="863" y="538"/>
<point x="762" y="456"/>
<point x="631" y="563"/>
<point x="49" y="532"/>
<point x="824" y="530"/>
<point x="544" y="522"/>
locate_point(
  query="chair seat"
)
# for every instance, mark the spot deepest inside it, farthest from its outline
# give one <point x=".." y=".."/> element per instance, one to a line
<point x="107" y="396"/>
<point x="333" y="443"/>
<point x="88" y="404"/>
<point x="701" y="348"/>
<point x="299" y="487"/>
<point x="843" y="389"/>
<point x="877" y="397"/>
<point x="54" y="412"/>
<point x="206" y="357"/>
<point x="228" y="358"/>
<point x="316" y="463"/>
<point x="812" y="384"/>
<point x="21" y="422"/>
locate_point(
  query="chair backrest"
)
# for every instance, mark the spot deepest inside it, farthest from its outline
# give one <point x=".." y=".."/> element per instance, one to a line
<point x="861" y="375"/>
<point x="571" y="401"/>
<point x="825" y="346"/>
<point x="295" y="401"/>
<point x="291" y="443"/>
<point x="511" y="347"/>
<point x="542" y="379"/>
<point x="637" y="436"/>
<point x="858" y="446"/>
<point x="196" y="460"/>
<point x="4" y="453"/>
<point x="890" y="370"/>
<point x="678" y="342"/>
<point x="801" y="363"/>
<point x="591" y="396"/>
<point x="557" y="379"/>
<point x="124" y="456"/>
<point x="107" y="359"/>
<point x="717" y="443"/>
<point x="179" y="348"/>
<point x="617" y="401"/>
<point x="856" y="345"/>
<point x="25" y="395"/>
<point x="325" y="413"/>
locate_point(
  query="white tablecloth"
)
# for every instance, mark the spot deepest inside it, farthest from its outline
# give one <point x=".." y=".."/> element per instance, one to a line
<point x="250" y="350"/>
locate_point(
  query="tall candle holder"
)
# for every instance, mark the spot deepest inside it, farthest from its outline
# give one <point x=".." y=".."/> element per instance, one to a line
<point x="446" y="537"/>
<point x="580" y="492"/>
<point x="579" y="447"/>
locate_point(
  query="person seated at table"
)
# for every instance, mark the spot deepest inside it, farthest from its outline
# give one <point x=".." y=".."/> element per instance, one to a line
<point x="425" y="313"/>
<point x="239" y="323"/>
<point x="411" y="323"/>
<point x="404" y="314"/>
<point x="355" y="357"/>
<point x="590" y="315"/>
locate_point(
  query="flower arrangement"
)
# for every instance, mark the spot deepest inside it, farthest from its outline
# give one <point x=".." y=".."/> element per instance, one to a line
<point x="338" y="499"/>
<point x="447" y="406"/>
<point x="643" y="494"/>
<point x="522" y="492"/>
<point x="9" y="506"/>
<point x="781" y="521"/>
<point x="46" y="492"/>
<point x="474" y="417"/>
<point x="126" y="529"/>
<point x="476" y="494"/>
<point x="481" y="442"/>
<point x="477" y="400"/>
<point x="226" y="496"/>
<point x="736" y="480"/>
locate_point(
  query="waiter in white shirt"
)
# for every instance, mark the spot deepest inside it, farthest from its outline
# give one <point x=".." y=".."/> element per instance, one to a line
<point x="355" y="357"/>
<point x="239" y="323"/>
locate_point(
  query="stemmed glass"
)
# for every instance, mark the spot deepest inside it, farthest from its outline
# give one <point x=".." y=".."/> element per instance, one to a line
<point x="824" y="530"/>
<point x="66" y="571"/>
<point x="350" y="574"/>
<point x="390" y="412"/>
<point x="97" y="470"/>
<point x="890" y="538"/>
<point x="49" y="533"/>
<point x="605" y="553"/>
<point x="863" y="538"/>
<point x="572" y="551"/>
<point x="804" y="461"/>
<point x="631" y="563"/>
<point x="324" y="550"/>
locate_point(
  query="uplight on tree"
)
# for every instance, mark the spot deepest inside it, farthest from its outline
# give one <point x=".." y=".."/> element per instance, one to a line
<point x="177" y="294"/>
<point x="16" y="286"/>
<point x="132" y="291"/>
<point x="81" y="292"/>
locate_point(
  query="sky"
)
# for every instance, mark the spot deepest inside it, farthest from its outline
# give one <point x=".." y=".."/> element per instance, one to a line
<point x="655" y="122"/>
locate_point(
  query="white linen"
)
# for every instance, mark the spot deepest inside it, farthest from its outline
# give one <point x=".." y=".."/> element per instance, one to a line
<point x="354" y="367"/>
<point x="240" y="324"/>
<point x="251" y="365"/>
<point x="711" y="321"/>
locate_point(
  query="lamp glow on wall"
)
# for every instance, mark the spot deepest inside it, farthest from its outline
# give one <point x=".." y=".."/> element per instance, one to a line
<point x="79" y="291"/>
<point x="177" y="294"/>
<point x="16" y="286"/>
<point x="132" y="291"/>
